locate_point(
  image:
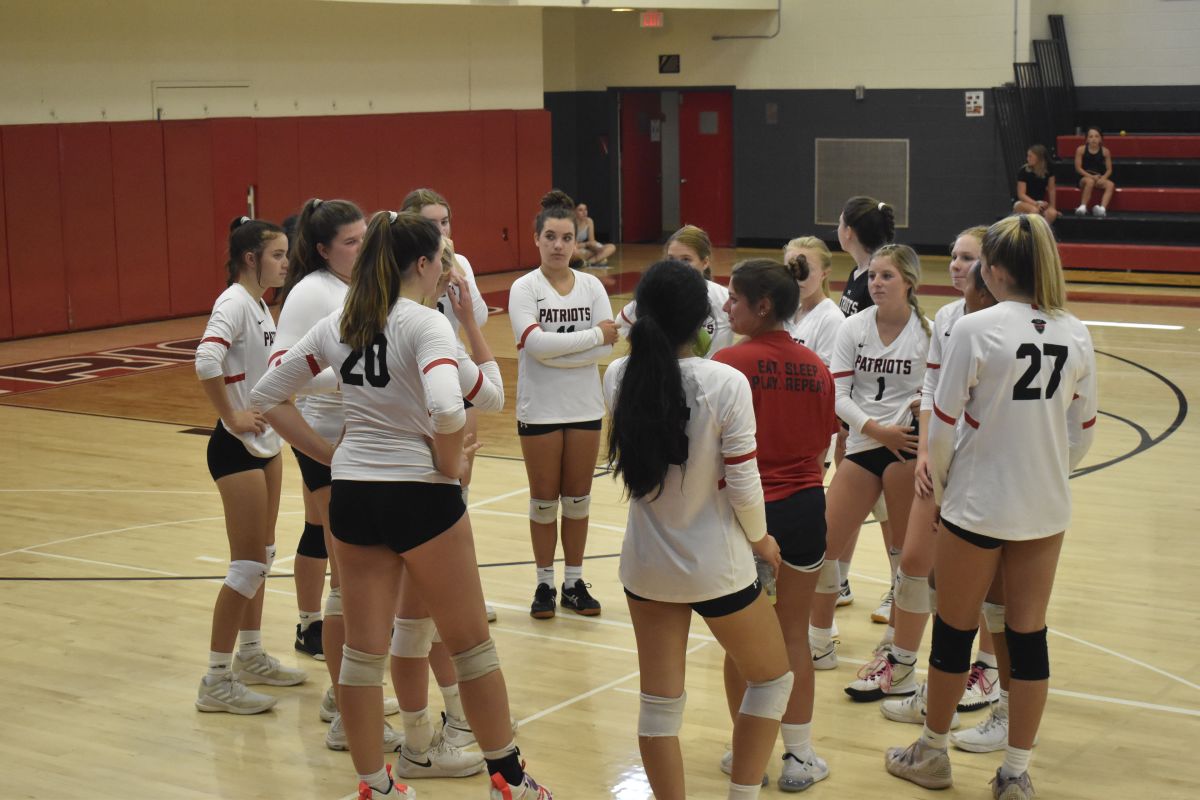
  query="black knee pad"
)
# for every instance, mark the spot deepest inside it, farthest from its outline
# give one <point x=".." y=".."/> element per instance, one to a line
<point x="312" y="542"/>
<point x="951" y="650"/>
<point x="1028" y="655"/>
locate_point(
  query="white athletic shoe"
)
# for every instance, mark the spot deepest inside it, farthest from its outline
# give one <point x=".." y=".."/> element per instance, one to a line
<point x="265" y="668"/>
<point x="983" y="687"/>
<point x="231" y="695"/>
<point x="456" y="731"/>
<point x="845" y="596"/>
<point x="827" y="658"/>
<point x="883" y="677"/>
<point x="335" y="737"/>
<point x="923" y="765"/>
<point x="727" y="765"/>
<point x="1099" y="211"/>
<point x="910" y="709"/>
<point x="1018" y="788"/>
<point x="800" y="774"/>
<point x="491" y="612"/>
<point x="986" y="737"/>
<point x="399" y="791"/>
<point x="1081" y="211"/>
<point x="329" y="706"/>
<point x="441" y="760"/>
<point x="884" y="612"/>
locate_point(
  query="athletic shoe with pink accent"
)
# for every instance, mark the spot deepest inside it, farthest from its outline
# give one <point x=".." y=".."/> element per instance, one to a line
<point x="883" y="677"/>
<point x="397" y="791"/>
<point x="983" y="687"/>
<point x="527" y="790"/>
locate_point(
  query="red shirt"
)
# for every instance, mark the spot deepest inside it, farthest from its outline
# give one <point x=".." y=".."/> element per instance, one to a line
<point x="793" y="404"/>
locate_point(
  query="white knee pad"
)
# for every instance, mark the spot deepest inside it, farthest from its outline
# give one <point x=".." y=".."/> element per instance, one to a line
<point x="576" y="507"/>
<point x="879" y="510"/>
<point x="768" y="699"/>
<point x="993" y="615"/>
<point x="361" y="669"/>
<point x="830" y="579"/>
<point x="476" y="662"/>
<point x="912" y="594"/>
<point x="270" y="557"/>
<point x="660" y="716"/>
<point x="333" y="602"/>
<point x="411" y="638"/>
<point x="245" y="577"/>
<point x="544" y="511"/>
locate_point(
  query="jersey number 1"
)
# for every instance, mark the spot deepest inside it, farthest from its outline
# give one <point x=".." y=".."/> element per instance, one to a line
<point x="1023" y="390"/>
<point x="375" y="369"/>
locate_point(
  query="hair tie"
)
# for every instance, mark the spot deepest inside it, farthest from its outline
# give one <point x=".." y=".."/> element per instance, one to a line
<point x="393" y="216"/>
<point x="317" y="202"/>
<point x="243" y="220"/>
<point x="880" y="206"/>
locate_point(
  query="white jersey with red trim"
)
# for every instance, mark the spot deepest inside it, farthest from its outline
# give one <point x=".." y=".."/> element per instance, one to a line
<point x="558" y="347"/>
<point x="1024" y="382"/>
<point x="943" y="323"/>
<point x="875" y="381"/>
<point x="716" y="324"/>
<point x="687" y="545"/>
<point x="316" y="296"/>
<point x="817" y="329"/>
<point x="396" y="394"/>
<point x="237" y="340"/>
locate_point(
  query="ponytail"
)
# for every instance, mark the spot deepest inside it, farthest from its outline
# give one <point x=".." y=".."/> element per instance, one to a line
<point x="905" y="259"/>
<point x="1024" y="246"/>
<point x="873" y="222"/>
<point x="318" y="224"/>
<point x="248" y="236"/>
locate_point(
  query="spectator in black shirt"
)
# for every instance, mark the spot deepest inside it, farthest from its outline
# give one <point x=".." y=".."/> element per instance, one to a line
<point x="1035" y="185"/>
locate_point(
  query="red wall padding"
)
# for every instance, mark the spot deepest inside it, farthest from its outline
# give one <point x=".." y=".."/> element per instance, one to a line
<point x="196" y="268"/>
<point x="148" y="204"/>
<point x="33" y="214"/>
<point x="140" y="205"/>
<point x="89" y="217"/>
<point x="5" y="304"/>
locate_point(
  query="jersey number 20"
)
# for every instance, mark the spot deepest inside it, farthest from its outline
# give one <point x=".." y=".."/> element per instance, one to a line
<point x="375" y="369"/>
<point x="1023" y="390"/>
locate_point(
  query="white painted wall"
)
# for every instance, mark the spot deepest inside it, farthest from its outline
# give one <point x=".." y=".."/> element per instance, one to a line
<point x="83" y="60"/>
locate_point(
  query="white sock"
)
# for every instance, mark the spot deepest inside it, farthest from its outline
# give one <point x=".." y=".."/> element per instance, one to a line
<point x="452" y="701"/>
<point x="308" y="618"/>
<point x="906" y="657"/>
<point x="1016" y="762"/>
<point x="572" y="574"/>
<point x="546" y="575"/>
<point x="218" y="665"/>
<point x="418" y="732"/>
<point x="894" y="560"/>
<point x="889" y="634"/>
<point x="820" y="637"/>
<point x="932" y="739"/>
<point x="249" y="643"/>
<point x="797" y="739"/>
<point x="379" y="781"/>
<point x="1003" y="704"/>
<point x="844" y="570"/>
<point x="987" y="658"/>
<point x="739" y="792"/>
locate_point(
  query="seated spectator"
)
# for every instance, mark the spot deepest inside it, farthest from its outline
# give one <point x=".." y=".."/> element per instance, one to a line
<point x="1093" y="163"/>
<point x="593" y="252"/>
<point x="1035" y="185"/>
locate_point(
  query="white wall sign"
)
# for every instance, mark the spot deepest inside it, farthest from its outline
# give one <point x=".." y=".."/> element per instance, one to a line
<point x="974" y="103"/>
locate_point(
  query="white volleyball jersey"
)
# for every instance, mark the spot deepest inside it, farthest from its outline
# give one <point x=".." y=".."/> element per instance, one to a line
<point x="558" y="346"/>
<point x="477" y="305"/>
<point x="316" y="296"/>
<point x="396" y="393"/>
<point x="1024" y="382"/>
<point x="874" y="381"/>
<point x="716" y="324"/>
<point x="686" y="545"/>
<point x="237" y="340"/>
<point x="817" y="329"/>
<point x="943" y="322"/>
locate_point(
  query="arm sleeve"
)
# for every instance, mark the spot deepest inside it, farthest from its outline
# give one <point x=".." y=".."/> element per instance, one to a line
<point x="481" y="384"/>
<point x="478" y="305"/>
<point x="841" y="365"/>
<point x="295" y="368"/>
<point x="933" y="368"/>
<point x="739" y="451"/>
<point x="827" y="334"/>
<point x="219" y="334"/>
<point x="436" y="353"/>
<point x="960" y="373"/>
<point x="626" y="318"/>
<point x="1081" y="414"/>
<point x="522" y="313"/>
<point x="301" y="312"/>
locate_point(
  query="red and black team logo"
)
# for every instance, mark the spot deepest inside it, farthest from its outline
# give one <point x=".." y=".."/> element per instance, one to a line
<point x="1039" y="324"/>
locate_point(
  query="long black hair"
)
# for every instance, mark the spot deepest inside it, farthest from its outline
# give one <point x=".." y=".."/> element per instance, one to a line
<point x="649" y="417"/>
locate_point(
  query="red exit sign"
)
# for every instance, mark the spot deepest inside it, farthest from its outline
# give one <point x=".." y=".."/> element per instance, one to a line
<point x="652" y="19"/>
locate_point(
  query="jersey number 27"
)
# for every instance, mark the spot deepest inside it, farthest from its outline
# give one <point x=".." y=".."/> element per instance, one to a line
<point x="374" y="369"/>
<point x="1023" y="390"/>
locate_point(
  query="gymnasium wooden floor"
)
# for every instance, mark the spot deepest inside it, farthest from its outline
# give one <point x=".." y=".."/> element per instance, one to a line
<point x="112" y="546"/>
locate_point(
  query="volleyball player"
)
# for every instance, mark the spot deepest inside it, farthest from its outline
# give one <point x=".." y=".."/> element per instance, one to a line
<point x="878" y="365"/>
<point x="562" y="321"/>
<point x="243" y="459"/>
<point x="865" y="225"/>
<point x="691" y="245"/>
<point x="682" y="439"/>
<point x="395" y="499"/>
<point x="793" y="400"/>
<point x="1022" y="375"/>
<point x="817" y="319"/>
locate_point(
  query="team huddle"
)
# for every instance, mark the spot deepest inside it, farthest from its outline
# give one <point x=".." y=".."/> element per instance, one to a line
<point x="945" y="431"/>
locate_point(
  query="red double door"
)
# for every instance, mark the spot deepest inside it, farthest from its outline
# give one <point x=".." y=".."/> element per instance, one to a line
<point x="705" y="165"/>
